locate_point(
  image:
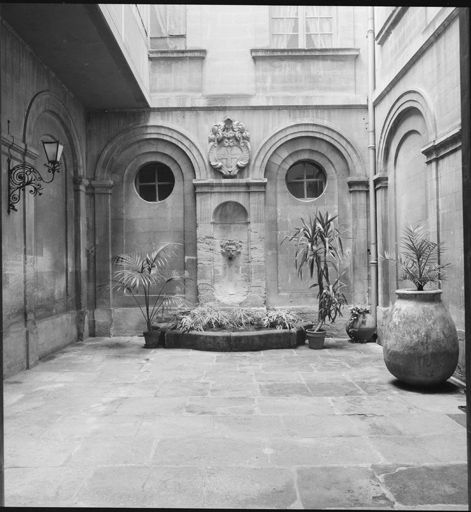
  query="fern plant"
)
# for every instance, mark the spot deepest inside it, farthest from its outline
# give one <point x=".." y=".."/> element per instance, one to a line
<point x="319" y="248"/>
<point x="150" y="274"/>
<point x="420" y="260"/>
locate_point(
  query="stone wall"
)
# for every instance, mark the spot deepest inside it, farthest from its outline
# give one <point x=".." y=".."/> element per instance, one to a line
<point x="417" y="106"/>
<point x="44" y="267"/>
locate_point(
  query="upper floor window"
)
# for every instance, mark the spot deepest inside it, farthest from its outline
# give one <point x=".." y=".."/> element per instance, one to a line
<point x="302" y="26"/>
<point x="167" y="26"/>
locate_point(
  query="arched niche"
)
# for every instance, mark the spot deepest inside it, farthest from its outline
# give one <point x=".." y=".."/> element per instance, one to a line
<point x="231" y="256"/>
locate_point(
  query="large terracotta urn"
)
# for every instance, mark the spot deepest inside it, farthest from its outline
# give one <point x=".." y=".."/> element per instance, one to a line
<point x="420" y="342"/>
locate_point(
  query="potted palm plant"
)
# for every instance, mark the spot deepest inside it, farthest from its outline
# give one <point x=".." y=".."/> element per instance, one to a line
<point x="420" y="342"/>
<point x="148" y="276"/>
<point x="319" y="248"/>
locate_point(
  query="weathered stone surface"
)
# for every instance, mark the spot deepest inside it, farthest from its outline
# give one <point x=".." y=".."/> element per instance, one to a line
<point x="247" y="488"/>
<point x="214" y="451"/>
<point x="433" y="485"/>
<point x="341" y="487"/>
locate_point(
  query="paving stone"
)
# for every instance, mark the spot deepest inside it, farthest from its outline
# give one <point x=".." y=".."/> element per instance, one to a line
<point x="277" y="377"/>
<point x="249" y="426"/>
<point x="43" y="486"/>
<point x="402" y="450"/>
<point x="214" y="451"/>
<point x="335" y="388"/>
<point x="428" y="485"/>
<point x="307" y="426"/>
<point x="151" y="406"/>
<point x="221" y="405"/>
<point x="140" y="486"/>
<point x="449" y="448"/>
<point x="112" y="451"/>
<point x="176" y="426"/>
<point x="186" y="387"/>
<point x="370" y="405"/>
<point x="447" y="404"/>
<point x="225" y="389"/>
<point x="295" y="405"/>
<point x="426" y="423"/>
<point x="248" y="488"/>
<point x="284" y="389"/>
<point x="28" y="452"/>
<point x="89" y="425"/>
<point x="323" y="452"/>
<point x="341" y="487"/>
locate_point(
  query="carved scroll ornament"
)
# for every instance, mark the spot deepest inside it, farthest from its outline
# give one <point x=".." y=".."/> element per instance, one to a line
<point x="229" y="147"/>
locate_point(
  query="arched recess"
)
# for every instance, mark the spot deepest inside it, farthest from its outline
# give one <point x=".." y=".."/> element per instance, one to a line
<point x="137" y="225"/>
<point x="339" y="159"/>
<point x="319" y="129"/>
<point x="132" y="138"/>
<point x="48" y="102"/>
<point x="410" y="194"/>
<point x="55" y="232"/>
<point x="408" y="100"/>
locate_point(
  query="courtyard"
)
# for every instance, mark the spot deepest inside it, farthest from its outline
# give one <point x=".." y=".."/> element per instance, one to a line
<point x="105" y="423"/>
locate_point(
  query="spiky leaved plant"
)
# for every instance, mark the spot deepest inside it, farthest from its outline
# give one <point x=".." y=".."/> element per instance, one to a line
<point x="148" y="273"/>
<point x="319" y="248"/>
<point x="420" y="260"/>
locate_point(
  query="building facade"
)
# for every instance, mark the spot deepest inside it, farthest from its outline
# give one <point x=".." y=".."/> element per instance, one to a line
<point x="219" y="128"/>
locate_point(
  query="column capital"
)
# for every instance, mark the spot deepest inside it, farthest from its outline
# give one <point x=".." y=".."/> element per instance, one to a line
<point x="81" y="183"/>
<point x="102" y="187"/>
<point x="358" y="184"/>
<point x="380" y="181"/>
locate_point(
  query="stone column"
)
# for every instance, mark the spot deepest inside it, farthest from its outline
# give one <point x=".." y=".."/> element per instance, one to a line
<point x="103" y="318"/>
<point x="258" y="278"/>
<point x="358" y="187"/>
<point x="382" y="208"/>
<point x="80" y="256"/>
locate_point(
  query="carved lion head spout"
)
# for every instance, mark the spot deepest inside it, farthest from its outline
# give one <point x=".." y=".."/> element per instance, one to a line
<point x="230" y="248"/>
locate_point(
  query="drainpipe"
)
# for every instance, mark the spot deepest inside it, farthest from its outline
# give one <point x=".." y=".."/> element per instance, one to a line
<point x="372" y="162"/>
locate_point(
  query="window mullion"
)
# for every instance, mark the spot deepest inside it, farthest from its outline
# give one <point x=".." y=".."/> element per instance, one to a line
<point x="302" y="26"/>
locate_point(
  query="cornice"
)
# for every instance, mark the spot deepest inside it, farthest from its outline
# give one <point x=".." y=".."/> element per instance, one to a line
<point x="303" y="53"/>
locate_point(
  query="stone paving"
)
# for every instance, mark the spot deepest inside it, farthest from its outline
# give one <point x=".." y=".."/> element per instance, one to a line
<point x="106" y="423"/>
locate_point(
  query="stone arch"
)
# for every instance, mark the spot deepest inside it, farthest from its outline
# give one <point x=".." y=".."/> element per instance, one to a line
<point x="408" y="126"/>
<point x="49" y="102"/>
<point x="319" y="129"/>
<point x="413" y="99"/>
<point x="230" y="212"/>
<point x="129" y="138"/>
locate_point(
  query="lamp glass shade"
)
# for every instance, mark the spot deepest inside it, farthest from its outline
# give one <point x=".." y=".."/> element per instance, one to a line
<point x="53" y="151"/>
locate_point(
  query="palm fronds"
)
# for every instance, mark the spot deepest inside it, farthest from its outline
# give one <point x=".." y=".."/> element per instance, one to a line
<point x="420" y="260"/>
<point x="135" y="273"/>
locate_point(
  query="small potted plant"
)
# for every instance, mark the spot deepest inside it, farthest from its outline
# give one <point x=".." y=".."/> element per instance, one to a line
<point x="319" y="248"/>
<point x="360" y="325"/>
<point x="420" y="342"/>
<point x="134" y="273"/>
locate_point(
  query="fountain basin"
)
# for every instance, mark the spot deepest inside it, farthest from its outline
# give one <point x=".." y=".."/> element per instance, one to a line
<point x="241" y="341"/>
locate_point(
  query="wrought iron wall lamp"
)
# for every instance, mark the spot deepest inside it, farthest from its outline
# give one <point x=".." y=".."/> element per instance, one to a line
<point x="24" y="175"/>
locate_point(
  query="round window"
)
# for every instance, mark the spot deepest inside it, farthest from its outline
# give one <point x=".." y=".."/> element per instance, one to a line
<point x="305" y="180"/>
<point x="155" y="182"/>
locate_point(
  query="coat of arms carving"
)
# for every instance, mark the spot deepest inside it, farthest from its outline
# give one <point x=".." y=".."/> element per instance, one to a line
<point x="229" y="147"/>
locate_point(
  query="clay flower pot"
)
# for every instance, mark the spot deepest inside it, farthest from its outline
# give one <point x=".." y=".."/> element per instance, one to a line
<point x="152" y="338"/>
<point x="360" y="327"/>
<point x="420" y="345"/>
<point x="315" y="339"/>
